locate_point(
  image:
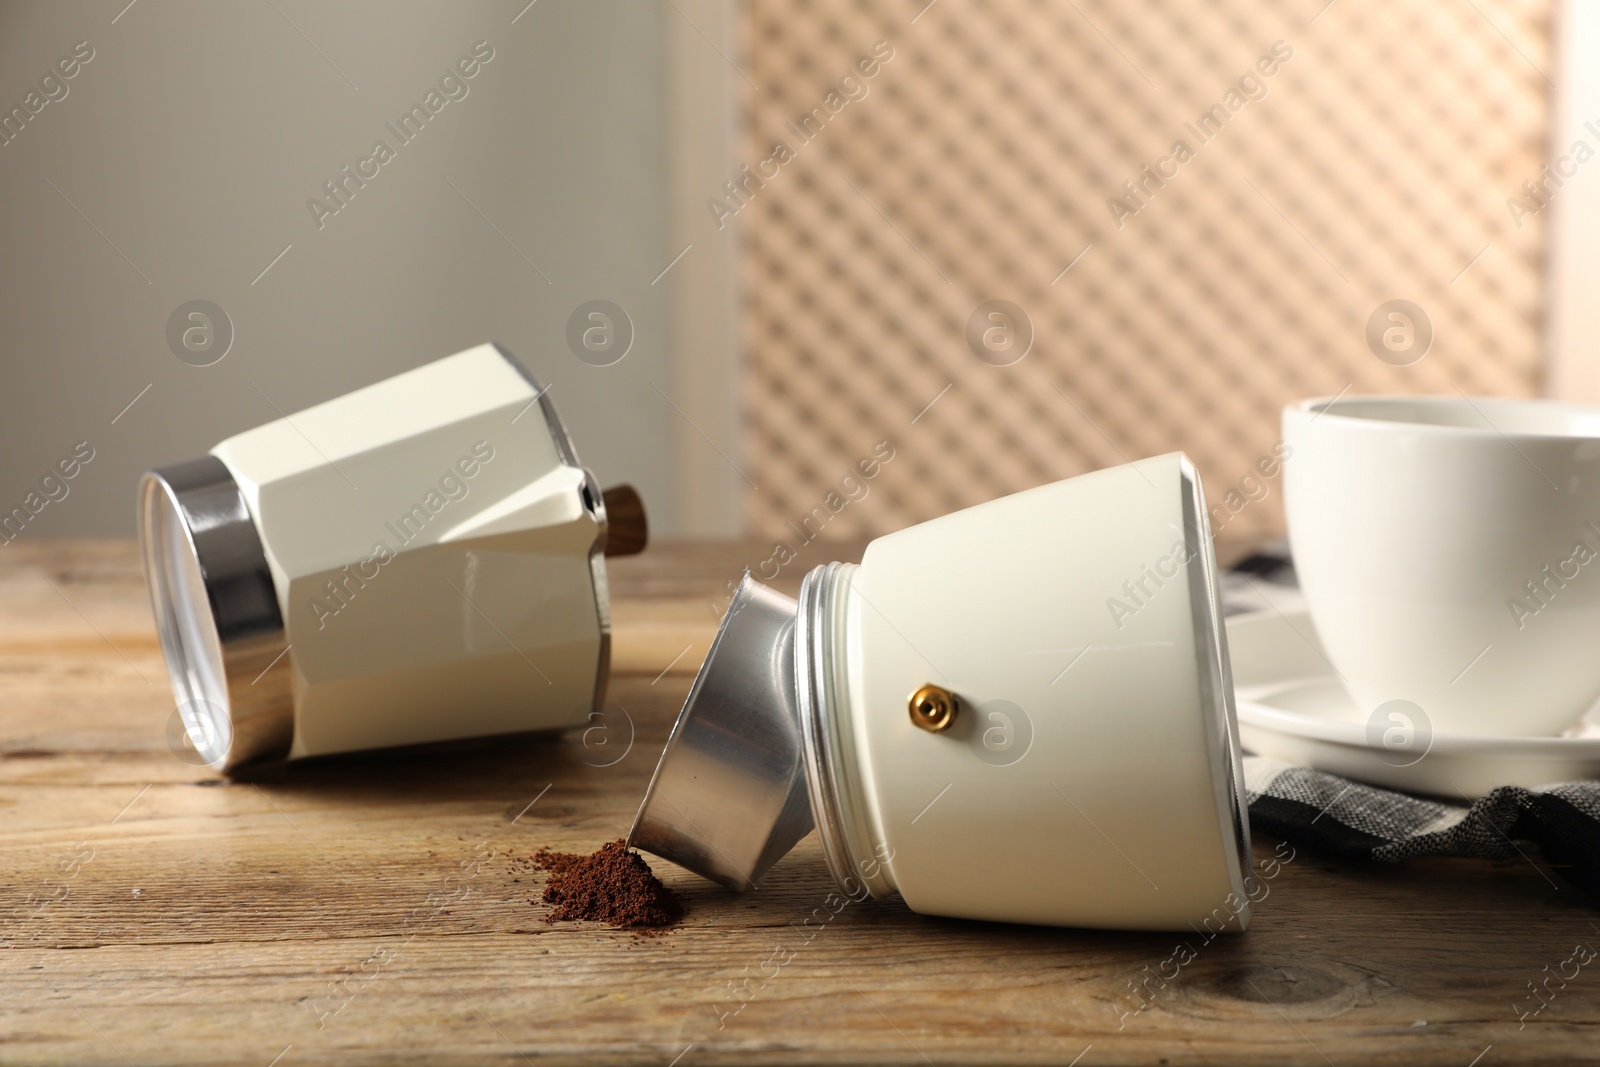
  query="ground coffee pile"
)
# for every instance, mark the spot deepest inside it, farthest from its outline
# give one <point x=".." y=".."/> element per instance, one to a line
<point x="613" y="885"/>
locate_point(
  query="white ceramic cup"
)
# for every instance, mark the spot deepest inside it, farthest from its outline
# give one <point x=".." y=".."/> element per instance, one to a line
<point x="1449" y="550"/>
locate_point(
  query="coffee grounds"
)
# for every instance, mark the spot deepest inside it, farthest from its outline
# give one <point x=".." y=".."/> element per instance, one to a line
<point x="613" y="885"/>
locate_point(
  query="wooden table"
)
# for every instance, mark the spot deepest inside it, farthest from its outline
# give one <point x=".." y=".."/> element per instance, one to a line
<point x="367" y="909"/>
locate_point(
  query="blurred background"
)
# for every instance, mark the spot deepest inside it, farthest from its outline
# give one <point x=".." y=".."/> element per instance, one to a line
<point x="986" y="245"/>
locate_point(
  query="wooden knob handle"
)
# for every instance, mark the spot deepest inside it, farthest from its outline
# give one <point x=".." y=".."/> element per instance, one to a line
<point x="627" y="530"/>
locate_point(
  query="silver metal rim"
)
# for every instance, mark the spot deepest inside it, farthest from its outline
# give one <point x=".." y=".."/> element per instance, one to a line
<point x="1216" y="681"/>
<point x="244" y="617"/>
<point x="828" y="748"/>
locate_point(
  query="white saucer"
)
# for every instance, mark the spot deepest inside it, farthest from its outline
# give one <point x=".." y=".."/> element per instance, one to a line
<point x="1292" y="707"/>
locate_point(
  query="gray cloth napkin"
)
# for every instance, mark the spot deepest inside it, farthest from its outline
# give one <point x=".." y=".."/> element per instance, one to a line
<point x="1343" y="818"/>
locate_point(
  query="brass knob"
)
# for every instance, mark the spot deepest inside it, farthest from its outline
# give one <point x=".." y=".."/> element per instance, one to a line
<point x="934" y="708"/>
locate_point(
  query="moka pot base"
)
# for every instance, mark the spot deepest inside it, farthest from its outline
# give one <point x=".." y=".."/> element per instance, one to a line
<point x="1090" y="776"/>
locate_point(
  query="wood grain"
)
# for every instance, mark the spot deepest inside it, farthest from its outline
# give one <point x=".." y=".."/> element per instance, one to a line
<point x="364" y="909"/>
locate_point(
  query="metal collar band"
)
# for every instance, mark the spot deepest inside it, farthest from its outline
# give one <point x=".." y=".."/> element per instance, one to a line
<point x="216" y="612"/>
<point x="831" y="764"/>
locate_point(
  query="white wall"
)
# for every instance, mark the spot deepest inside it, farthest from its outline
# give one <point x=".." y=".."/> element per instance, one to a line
<point x="191" y="143"/>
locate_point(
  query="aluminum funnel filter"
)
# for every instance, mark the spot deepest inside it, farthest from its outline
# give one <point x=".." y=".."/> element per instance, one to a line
<point x="728" y="799"/>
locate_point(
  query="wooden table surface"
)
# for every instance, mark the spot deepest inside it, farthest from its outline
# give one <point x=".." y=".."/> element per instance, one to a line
<point x="370" y="909"/>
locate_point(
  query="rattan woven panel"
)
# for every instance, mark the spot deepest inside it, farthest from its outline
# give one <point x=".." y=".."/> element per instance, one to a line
<point x="979" y="161"/>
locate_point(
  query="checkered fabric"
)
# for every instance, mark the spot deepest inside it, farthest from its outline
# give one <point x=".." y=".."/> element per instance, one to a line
<point x="1344" y="818"/>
